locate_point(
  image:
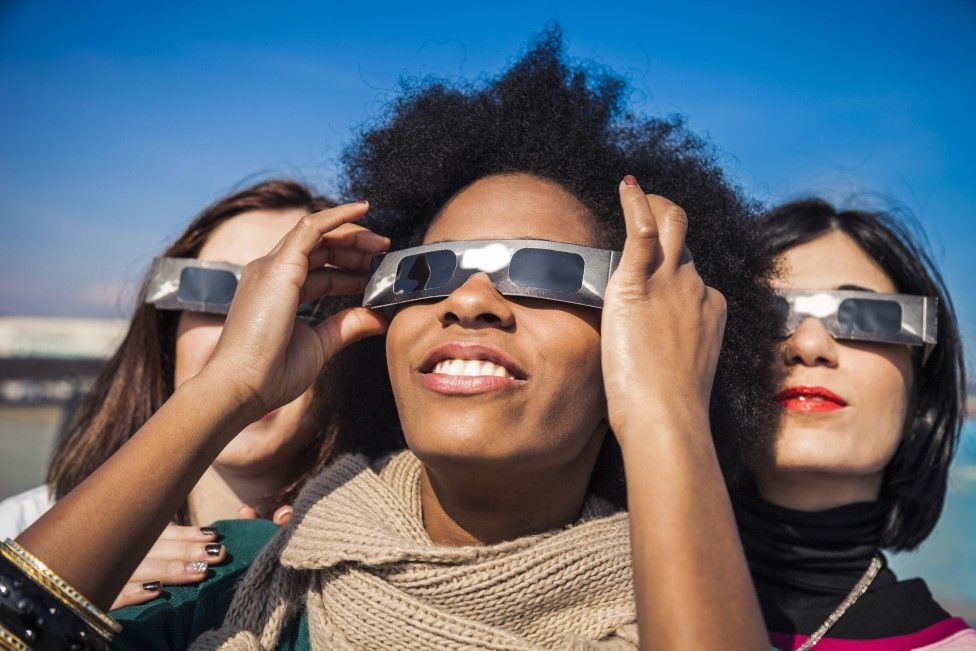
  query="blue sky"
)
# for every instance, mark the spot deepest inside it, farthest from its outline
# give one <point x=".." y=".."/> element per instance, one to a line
<point x="118" y="121"/>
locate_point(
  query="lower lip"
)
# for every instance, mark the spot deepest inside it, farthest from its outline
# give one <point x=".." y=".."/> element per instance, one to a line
<point x="268" y="416"/>
<point x="463" y="385"/>
<point x="809" y="406"/>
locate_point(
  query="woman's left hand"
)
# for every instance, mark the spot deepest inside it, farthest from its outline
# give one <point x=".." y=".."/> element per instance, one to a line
<point x="662" y="326"/>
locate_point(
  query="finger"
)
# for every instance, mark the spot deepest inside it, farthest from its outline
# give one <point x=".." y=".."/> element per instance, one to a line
<point x="169" y="572"/>
<point x="641" y="249"/>
<point x="189" y="534"/>
<point x="179" y="550"/>
<point x="247" y="513"/>
<point x="332" y="282"/>
<point x="133" y="594"/>
<point x="354" y="236"/>
<point x="672" y="223"/>
<point x="307" y="234"/>
<point x="347" y="327"/>
<point x="350" y="259"/>
<point x="282" y="516"/>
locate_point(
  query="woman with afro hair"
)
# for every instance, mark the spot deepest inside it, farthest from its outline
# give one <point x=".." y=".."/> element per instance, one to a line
<point x="504" y="450"/>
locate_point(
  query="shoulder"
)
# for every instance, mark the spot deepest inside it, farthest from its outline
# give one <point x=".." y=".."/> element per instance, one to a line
<point x="183" y="612"/>
<point x="896" y="615"/>
<point x="20" y="511"/>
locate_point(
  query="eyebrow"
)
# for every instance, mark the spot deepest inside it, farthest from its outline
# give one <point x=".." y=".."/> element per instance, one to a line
<point x="857" y="288"/>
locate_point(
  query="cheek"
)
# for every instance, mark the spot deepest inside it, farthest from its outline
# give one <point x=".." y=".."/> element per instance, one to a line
<point x="194" y="347"/>
<point x="405" y="329"/>
<point x="884" y="386"/>
<point x="571" y="347"/>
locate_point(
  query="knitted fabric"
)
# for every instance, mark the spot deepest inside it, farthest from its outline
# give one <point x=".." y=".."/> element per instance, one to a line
<point x="357" y="556"/>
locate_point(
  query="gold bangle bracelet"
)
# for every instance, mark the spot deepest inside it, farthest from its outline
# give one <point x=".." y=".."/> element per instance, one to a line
<point x="10" y="642"/>
<point x="33" y="567"/>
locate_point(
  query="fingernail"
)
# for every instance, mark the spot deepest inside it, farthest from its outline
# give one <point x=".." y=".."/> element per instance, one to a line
<point x="361" y="201"/>
<point x="152" y="586"/>
<point x="197" y="566"/>
<point x="208" y="531"/>
<point x="631" y="181"/>
<point x="213" y="549"/>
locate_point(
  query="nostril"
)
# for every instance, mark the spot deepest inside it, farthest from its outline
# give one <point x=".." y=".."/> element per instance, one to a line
<point x="490" y="318"/>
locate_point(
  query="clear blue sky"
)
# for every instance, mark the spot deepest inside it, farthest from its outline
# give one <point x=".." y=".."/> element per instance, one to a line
<point x="118" y="121"/>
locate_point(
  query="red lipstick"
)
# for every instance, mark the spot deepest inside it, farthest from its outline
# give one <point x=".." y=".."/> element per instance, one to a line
<point x="810" y="400"/>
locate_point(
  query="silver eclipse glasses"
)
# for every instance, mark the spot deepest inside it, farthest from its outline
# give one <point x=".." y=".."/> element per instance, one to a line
<point x="202" y="286"/>
<point x="864" y="316"/>
<point x="554" y="271"/>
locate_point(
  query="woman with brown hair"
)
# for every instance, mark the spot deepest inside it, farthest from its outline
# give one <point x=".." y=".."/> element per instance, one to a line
<point x="262" y="468"/>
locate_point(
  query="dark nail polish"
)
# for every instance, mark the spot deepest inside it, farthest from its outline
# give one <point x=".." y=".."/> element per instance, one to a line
<point x="152" y="586"/>
<point x="208" y="531"/>
<point x="631" y="181"/>
<point x="213" y="549"/>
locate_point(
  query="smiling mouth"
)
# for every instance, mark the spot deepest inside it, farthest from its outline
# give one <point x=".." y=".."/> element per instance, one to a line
<point x="468" y="369"/>
<point x="810" y="400"/>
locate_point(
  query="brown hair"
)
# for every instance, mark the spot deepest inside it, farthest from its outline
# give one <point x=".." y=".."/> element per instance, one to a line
<point x="138" y="378"/>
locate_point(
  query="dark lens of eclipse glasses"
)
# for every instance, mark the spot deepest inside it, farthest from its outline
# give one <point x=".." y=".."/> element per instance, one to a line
<point x="425" y="271"/>
<point x="870" y="315"/>
<point x="206" y="286"/>
<point x="544" y="269"/>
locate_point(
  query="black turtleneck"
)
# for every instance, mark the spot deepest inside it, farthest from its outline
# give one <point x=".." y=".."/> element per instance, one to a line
<point x="804" y="563"/>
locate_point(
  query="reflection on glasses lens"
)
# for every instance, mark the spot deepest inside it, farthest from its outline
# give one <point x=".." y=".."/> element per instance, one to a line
<point x="874" y="316"/>
<point x="216" y="286"/>
<point x="424" y="271"/>
<point x="543" y="269"/>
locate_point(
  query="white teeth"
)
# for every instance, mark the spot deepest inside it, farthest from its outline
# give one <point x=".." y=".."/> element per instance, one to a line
<point x="470" y="368"/>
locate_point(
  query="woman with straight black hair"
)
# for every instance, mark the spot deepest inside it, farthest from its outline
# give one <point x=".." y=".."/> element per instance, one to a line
<point x="873" y="397"/>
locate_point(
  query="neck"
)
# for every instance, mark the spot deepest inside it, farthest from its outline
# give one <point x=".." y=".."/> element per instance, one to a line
<point x="221" y="493"/>
<point x="817" y="491"/>
<point x="483" y="507"/>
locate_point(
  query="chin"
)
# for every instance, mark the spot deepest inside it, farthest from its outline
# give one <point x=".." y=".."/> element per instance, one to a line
<point x="257" y="447"/>
<point x="816" y="458"/>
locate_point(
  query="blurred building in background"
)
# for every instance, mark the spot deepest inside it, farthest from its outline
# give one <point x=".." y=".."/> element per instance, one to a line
<point x="46" y="367"/>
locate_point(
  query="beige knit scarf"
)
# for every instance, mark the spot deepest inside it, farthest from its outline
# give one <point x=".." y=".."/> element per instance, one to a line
<point x="356" y="555"/>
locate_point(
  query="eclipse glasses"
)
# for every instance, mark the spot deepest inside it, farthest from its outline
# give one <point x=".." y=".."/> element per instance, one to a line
<point x="864" y="316"/>
<point x="565" y="273"/>
<point x="202" y="286"/>
<point x="554" y="271"/>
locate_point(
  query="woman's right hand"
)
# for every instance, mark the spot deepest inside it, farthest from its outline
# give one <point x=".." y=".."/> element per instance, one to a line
<point x="264" y="354"/>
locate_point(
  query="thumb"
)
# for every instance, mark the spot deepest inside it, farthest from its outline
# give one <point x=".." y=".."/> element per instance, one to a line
<point x="347" y="327"/>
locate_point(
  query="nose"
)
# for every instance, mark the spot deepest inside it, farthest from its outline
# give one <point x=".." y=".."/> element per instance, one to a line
<point x="476" y="304"/>
<point x="810" y="345"/>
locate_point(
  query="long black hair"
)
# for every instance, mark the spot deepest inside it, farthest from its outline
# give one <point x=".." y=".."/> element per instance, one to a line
<point x="567" y="125"/>
<point x="915" y="480"/>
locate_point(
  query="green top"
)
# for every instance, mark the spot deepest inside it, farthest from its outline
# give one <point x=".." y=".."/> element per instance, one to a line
<point x="184" y="612"/>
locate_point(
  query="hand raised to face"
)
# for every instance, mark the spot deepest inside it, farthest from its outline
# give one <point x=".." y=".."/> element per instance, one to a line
<point x="264" y="354"/>
<point x="662" y="326"/>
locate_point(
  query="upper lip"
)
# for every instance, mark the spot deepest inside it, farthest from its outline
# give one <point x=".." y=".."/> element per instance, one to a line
<point x="810" y="392"/>
<point x="471" y="351"/>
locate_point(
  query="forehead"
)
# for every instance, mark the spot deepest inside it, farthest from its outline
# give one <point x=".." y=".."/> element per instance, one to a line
<point x="831" y="261"/>
<point x="248" y="236"/>
<point x="513" y="206"/>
